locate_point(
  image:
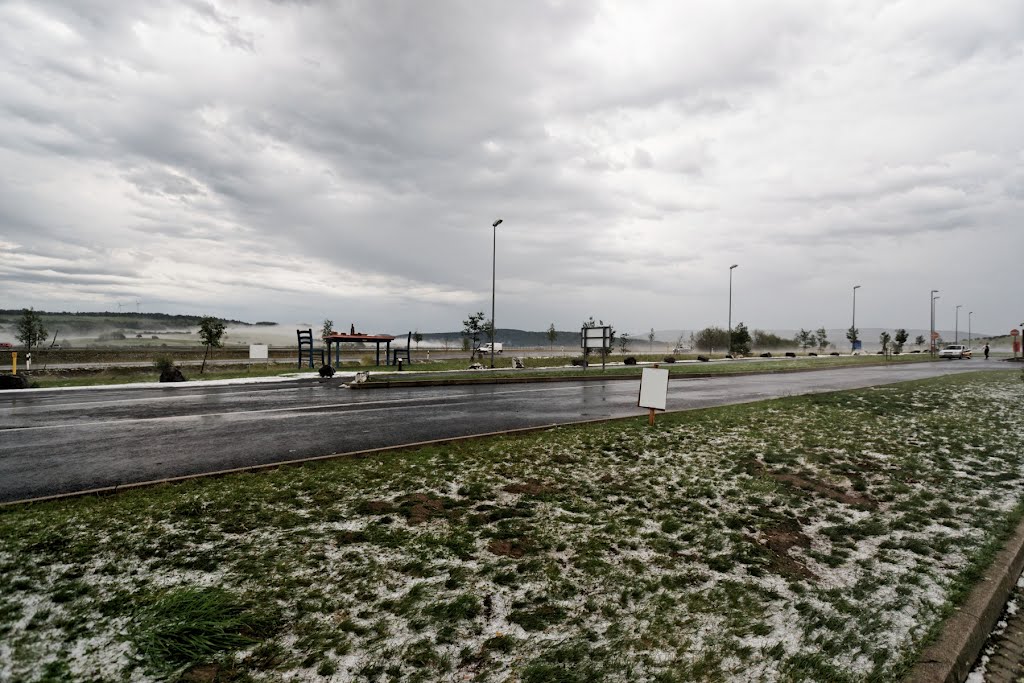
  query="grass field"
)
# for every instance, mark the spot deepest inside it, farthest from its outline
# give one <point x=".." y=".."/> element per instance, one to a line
<point x="802" y="539"/>
<point x="439" y="369"/>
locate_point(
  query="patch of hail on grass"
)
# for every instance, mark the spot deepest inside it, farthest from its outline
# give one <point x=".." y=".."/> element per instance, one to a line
<point x="104" y="656"/>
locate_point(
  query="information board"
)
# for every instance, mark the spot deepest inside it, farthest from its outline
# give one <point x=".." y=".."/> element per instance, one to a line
<point x="259" y="352"/>
<point x="653" y="388"/>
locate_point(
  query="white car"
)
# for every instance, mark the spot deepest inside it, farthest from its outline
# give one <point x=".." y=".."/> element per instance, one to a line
<point x="958" y="351"/>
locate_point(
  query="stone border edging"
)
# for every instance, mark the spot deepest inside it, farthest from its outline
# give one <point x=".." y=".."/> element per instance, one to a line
<point x="950" y="658"/>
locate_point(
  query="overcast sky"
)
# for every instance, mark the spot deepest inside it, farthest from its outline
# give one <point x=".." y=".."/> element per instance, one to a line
<point x="295" y="161"/>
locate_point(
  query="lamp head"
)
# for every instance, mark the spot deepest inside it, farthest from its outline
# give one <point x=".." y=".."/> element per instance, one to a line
<point x="496" y="223"/>
<point x="735" y="265"/>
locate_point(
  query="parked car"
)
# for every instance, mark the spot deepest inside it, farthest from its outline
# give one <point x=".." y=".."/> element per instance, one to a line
<point x="958" y="351"/>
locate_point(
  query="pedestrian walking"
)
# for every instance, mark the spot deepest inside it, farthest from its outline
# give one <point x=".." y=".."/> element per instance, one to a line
<point x="986" y="351"/>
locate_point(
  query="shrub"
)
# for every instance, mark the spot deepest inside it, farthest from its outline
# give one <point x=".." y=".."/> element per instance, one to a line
<point x="790" y="354"/>
<point x="629" y="361"/>
<point x="163" y="364"/>
<point x="766" y="354"/>
<point x="579" y="362"/>
<point x="703" y="359"/>
<point x="669" y="359"/>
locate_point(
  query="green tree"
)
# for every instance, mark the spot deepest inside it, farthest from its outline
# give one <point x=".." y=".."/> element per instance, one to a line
<point x="822" y="339"/>
<point x="552" y="335"/>
<point x="919" y="340"/>
<point x="710" y="338"/>
<point x="740" y="340"/>
<point x="650" y="341"/>
<point x="327" y="329"/>
<point x="805" y="339"/>
<point x="900" y="339"/>
<point x="768" y="340"/>
<point x="417" y="337"/>
<point x="883" y="340"/>
<point x="851" y="334"/>
<point x="30" y="330"/>
<point x="211" y="332"/>
<point x="624" y="341"/>
<point x="471" y="329"/>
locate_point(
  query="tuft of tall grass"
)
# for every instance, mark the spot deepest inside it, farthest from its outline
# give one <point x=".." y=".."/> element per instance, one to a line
<point x="188" y="624"/>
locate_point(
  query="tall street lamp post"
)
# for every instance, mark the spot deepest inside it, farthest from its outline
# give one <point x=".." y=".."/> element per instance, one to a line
<point x="931" y="330"/>
<point x="853" y="325"/>
<point x="731" y="268"/>
<point x="969" y="314"/>
<point x="956" y="325"/>
<point x="934" y="299"/>
<point x="494" y="263"/>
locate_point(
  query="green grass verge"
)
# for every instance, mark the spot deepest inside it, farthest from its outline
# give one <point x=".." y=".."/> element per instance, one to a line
<point x="560" y="367"/>
<point x="802" y="539"/>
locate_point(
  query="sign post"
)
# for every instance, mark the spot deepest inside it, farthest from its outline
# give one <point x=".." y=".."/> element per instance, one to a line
<point x="14" y="362"/>
<point x="259" y="352"/>
<point x="1015" y="333"/>
<point x="593" y="338"/>
<point x="653" y="390"/>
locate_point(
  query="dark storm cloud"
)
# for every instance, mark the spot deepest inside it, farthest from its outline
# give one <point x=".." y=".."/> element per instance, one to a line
<point x="367" y="147"/>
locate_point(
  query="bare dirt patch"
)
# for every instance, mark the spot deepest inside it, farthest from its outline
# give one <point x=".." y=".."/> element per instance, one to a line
<point x="778" y="541"/>
<point x="530" y="487"/>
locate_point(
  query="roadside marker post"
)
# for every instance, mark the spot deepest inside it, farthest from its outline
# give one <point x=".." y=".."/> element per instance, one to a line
<point x="14" y="362"/>
<point x="653" y="391"/>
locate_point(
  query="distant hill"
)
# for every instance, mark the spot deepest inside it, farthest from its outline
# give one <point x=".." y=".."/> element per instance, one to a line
<point x="88" y="322"/>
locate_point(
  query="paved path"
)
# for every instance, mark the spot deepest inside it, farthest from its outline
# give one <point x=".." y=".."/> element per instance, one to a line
<point x="54" y="442"/>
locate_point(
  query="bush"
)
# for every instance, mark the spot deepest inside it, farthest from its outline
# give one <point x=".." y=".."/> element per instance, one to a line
<point x="579" y="362"/>
<point x="812" y="353"/>
<point x="669" y="359"/>
<point x="790" y="354"/>
<point x="163" y="364"/>
<point x="629" y="361"/>
<point x="834" y="353"/>
<point x="766" y="355"/>
<point x="703" y="359"/>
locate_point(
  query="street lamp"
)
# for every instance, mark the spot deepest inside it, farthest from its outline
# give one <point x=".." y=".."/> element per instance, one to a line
<point x="494" y="263"/>
<point x="931" y="330"/>
<point x="934" y="299"/>
<point x="731" y="268"/>
<point x="853" y="325"/>
<point x="969" y="314"/>
<point x="956" y="325"/>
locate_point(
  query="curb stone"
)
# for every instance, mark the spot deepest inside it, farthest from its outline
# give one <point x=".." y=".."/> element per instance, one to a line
<point x="950" y="658"/>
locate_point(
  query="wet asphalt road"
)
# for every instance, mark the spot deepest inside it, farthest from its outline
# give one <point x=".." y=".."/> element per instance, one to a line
<point x="54" y="442"/>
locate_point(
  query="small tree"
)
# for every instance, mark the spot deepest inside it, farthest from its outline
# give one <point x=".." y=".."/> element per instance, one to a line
<point x="805" y="339"/>
<point x="851" y="335"/>
<point x="822" y="339"/>
<point x="327" y="329"/>
<point x="30" y="330"/>
<point x="417" y="337"/>
<point x="471" y="329"/>
<point x="740" y="340"/>
<point x="919" y="340"/>
<point x="552" y="335"/>
<point x="211" y="332"/>
<point x="900" y="339"/>
<point x="650" y="341"/>
<point x="883" y="340"/>
<point x="624" y="341"/>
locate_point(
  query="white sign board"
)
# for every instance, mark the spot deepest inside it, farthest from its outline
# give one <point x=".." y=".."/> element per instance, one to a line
<point x="259" y="352"/>
<point x="653" y="388"/>
<point x="596" y="337"/>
